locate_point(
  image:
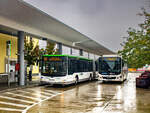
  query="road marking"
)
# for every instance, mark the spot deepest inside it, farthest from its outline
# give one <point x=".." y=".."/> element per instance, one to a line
<point x="111" y="99"/>
<point x="15" y="99"/>
<point x="50" y="91"/>
<point x="33" y="89"/>
<point x="47" y="93"/>
<point x="36" y="99"/>
<point x="50" y="94"/>
<point x="24" y="111"/>
<point x="11" y="109"/>
<point x="32" y="93"/>
<point x="9" y="103"/>
<point x="42" y="92"/>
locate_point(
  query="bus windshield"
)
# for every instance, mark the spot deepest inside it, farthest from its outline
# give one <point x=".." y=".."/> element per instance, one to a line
<point x="54" y="66"/>
<point x="110" y="66"/>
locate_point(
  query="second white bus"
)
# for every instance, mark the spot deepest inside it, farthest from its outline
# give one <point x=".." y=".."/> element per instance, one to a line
<point x="112" y="68"/>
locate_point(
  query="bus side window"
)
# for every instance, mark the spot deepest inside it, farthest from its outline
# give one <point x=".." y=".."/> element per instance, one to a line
<point x="80" y="66"/>
<point x="122" y="63"/>
<point x="72" y="66"/>
<point x="70" y="70"/>
<point x="90" y="68"/>
<point x="86" y="66"/>
<point x="97" y="65"/>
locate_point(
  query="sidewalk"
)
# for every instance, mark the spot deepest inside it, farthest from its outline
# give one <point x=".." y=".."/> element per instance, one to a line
<point x="4" y="86"/>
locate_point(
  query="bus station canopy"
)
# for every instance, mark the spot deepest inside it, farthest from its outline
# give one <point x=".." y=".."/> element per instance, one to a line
<point x="17" y="15"/>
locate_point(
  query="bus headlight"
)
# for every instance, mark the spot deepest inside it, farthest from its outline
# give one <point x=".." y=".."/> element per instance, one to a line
<point x="119" y="77"/>
<point x="100" y="77"/>
<point x="41" y="78"/>
<point x="64" y="80"/>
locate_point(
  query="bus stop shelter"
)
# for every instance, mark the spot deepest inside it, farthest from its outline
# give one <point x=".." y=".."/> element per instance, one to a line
<point x="19" y="18"/>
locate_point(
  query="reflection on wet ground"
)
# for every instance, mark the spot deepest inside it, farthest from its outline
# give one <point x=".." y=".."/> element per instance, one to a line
<point x="99" y="97"/>
<point x="21" y="100"/>
<point x="88" y="97"/>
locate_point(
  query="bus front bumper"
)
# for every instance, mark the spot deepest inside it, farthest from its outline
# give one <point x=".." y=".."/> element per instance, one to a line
<point x="57" y="83"/>
<point x="110" y="78"/>
<point x="54" y="81"/>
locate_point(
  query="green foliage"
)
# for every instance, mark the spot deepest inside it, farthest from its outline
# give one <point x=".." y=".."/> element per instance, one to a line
<point x="50" y="48"/>
<point x="136" y="47"/>
<point x="31" y="51"/>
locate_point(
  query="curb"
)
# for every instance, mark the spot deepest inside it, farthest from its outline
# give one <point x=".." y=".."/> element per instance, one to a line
<point x="19" y="87"/>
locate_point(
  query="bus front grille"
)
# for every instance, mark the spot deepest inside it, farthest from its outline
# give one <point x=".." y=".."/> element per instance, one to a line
<point x="109" y="77"/>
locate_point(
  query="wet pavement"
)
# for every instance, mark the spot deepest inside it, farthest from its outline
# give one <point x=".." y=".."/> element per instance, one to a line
<point x="87" y="97"/>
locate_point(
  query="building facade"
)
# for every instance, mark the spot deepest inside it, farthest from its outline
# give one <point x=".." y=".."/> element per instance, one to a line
<point x="13" y="57"/>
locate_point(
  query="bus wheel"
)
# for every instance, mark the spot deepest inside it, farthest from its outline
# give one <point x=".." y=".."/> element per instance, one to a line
<point x="103" y="81"/>
<point x="41" y="84"/>
<point x="90" y="78"/>
<point x="76" y="80"/>
<point x="63" y="85"/>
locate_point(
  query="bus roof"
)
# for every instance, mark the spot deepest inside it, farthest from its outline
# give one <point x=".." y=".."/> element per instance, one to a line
<point x="70" y="56"/>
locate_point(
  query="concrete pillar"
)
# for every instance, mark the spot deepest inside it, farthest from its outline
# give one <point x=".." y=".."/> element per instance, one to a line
<point x="88" y="55"/>
<point x="21" y="57"/>
<point x="70" y="51"/>
<point x="94" y="68"/>
<point x="94" y="63"/>
<point x="81" y="52"/>
<point x="59" y="48"/>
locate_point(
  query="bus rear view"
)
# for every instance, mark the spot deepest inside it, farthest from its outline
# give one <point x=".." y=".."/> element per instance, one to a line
<point x="111" y="68"/>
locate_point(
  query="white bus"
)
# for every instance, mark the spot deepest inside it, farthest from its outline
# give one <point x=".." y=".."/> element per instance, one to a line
<point x="112" y="68"/>
<point x="65" y="69"/>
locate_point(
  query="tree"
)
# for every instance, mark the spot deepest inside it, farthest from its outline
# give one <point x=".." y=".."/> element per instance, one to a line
<point x="136" y="47"/>
<point x="50" y="48"/>
<point x="31" y="53"/>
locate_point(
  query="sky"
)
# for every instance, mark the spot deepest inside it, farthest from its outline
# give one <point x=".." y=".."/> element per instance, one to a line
<point x="105" y="21"/>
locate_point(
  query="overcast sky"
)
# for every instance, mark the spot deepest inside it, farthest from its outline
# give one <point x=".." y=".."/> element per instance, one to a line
<point x="105" y="21"/>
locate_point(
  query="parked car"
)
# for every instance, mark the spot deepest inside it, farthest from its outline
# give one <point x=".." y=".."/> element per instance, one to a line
<point x="143" y="81"/>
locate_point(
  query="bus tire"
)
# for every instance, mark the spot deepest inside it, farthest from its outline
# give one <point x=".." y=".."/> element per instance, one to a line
<point x="103" y="81"/>
<point x="76" y="80"/>
<point x="63" y="85"/>
<point x="41" y="84"/>
<point x="90" y="78"/>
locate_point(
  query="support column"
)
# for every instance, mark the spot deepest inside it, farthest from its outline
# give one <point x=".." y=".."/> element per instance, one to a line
<point x="94" y="67"/>
<point x="88" y="55"/>
<point x="21" y="75"/>
<point x="59" y="48"/>
<point x="81" y="52"/>
<point x="70" y="51"/>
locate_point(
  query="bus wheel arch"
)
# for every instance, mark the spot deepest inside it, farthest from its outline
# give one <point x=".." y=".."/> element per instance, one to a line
<point x="76" y="79"/>
<point x="91" y="77"/>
